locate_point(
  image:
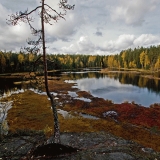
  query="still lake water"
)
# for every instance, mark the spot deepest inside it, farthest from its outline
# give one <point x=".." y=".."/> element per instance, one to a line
<point x="118" y="87"/>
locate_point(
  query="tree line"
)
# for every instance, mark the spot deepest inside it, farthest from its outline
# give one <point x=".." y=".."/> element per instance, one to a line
<point x="138" y="58"/>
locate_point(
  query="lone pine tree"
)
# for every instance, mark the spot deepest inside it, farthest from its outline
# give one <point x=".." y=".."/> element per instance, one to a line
<point x="47" y="14"/>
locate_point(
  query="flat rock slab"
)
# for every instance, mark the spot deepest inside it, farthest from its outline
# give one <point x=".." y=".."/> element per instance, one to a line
<point x="93" y="146"/>
<point x="104" y="146"/>
<point x="18" y="146"/>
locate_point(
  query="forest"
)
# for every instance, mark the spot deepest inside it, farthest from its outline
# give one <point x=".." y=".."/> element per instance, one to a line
<point x="138" y="58"/>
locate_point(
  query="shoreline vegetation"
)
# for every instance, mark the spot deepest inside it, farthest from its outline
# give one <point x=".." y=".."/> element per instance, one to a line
<point x="144" y="73"/>
<point x="130" y="121"/>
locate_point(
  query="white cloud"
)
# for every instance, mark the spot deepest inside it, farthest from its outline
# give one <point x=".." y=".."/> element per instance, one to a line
<point x="18" y="5"/>
<point x="147" y="40"/>
<point x="73" y="48"/>
<point x="133" y="12"/>
<point x="93" y="27"/>
<point x="65" y="28"/>
<point x="130" y="41"/>
<point x="11" y="37"/>
<point x="122" y="42"/>
<point x="85" y="46"/>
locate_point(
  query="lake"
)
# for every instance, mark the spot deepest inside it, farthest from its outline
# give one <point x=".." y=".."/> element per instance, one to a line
<point x="118" y="87"/>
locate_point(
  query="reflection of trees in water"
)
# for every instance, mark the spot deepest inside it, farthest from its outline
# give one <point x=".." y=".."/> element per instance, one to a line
<point x="7" y="85"/>
<point x="156" y="82"/>
<point x="152" y="85"/>
<point x="81" y="75"/>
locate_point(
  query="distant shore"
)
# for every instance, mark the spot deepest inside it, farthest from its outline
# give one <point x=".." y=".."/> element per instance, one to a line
<point x="144" y="73"/>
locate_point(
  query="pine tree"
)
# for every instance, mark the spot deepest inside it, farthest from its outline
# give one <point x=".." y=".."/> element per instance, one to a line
<point x="46" y="16"/>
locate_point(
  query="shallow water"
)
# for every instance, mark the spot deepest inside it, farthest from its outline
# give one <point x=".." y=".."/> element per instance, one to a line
<point x="75" y="96"/>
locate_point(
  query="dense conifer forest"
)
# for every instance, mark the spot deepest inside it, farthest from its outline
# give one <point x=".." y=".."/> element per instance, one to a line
<point x="138" y="58"/>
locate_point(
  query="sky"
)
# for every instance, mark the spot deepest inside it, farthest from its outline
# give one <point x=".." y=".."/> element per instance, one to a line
<point x="102" y="27"/>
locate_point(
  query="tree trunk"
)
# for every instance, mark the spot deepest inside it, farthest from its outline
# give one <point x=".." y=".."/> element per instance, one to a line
<point x="54" y="109"/>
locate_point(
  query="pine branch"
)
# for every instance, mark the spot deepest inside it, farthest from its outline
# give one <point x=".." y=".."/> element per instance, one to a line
<point x="21" y="16"/>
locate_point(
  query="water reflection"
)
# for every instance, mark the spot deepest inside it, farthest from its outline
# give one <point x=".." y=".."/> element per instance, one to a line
<point x="88" y="116"/>
<point x="120" y="87"/>
<point x="9" y="86"/>
<point x="6" y="84"/>
<point x="84" y="74"/>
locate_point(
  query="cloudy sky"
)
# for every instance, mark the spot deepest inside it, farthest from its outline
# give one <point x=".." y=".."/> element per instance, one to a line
<point x="93" y="27"/>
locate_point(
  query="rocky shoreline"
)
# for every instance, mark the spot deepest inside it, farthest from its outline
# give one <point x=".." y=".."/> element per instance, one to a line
<point x="94" y="146"/>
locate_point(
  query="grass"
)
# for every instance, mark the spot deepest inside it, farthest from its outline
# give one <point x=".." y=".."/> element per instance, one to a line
<point x="31" y="111"/>
<point x="28" y="111"/>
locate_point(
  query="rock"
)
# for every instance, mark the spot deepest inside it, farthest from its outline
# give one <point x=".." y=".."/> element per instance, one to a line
<point x="111" y="114"/>
<point x="16" y="147"/>
<point x="94" y="146"/>
<point x="114" y="156"/>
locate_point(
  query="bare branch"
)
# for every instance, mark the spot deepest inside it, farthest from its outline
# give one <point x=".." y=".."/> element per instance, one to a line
<point x="35" y="49"/>
<point x="48" y="17"/>
<point x="34" y="10"/>
<point x="35" y="45"/>
<point x="34" y="31"/>
<point x="21" y="16"/>
<point x="59" y="14"/>
<point x="30" y="42"/>
<point x="63" y="5"/>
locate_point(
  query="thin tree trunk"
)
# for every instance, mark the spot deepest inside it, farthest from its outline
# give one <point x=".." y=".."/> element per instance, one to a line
<point x="54" y="109"/>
